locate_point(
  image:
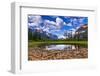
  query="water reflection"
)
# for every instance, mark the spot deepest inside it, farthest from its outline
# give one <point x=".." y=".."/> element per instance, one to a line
<point x="60" y="47"/>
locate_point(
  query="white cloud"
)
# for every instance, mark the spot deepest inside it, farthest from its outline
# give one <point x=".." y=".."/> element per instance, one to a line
<point x="61" y="37"/>
<point x="30" y="24"/>
<point x="75" y="22"/>
<point x="54" y="25"/>
<point x="81" y="20"/>
<point x="36" y="20"/>
<point x="73" y="29"/>
<point x="48" y="22"/>
<point x="55" y="30"/>
<point x="78" y="27"/>
<point x="69" y="24"/>
<point x="52" y="22"/>
<point x="48" y="26"/>
<point x="46" y="30"/>
<point x="64" y="23"/>
<point x="75" y="19"/>
<point x="59" y="22"/>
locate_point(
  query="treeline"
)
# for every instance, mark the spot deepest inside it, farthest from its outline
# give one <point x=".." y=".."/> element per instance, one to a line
<point x="36" y="36"/>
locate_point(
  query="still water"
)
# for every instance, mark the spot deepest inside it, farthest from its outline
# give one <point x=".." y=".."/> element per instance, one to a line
<point x="61" y="47"/>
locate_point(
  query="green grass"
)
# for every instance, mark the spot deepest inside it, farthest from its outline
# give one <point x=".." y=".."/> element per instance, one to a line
<point x="34" y="43"/>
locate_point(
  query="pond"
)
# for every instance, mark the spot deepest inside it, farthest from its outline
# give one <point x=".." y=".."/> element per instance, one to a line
<point x="60" y="46"/>
<point x="57" y="51"/>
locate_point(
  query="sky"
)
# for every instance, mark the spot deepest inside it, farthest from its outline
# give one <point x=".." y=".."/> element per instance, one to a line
<point x="56" y="25"/>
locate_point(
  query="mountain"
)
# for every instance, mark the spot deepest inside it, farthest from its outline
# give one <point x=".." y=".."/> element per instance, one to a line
<point x="39" y="34"/>
<point x="82" y="32"/>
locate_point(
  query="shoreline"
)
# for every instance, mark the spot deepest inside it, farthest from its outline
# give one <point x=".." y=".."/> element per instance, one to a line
<point x="42" y="54"/>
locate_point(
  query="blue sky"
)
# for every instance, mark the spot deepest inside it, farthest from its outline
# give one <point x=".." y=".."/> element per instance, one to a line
<point x="56" y="25"/>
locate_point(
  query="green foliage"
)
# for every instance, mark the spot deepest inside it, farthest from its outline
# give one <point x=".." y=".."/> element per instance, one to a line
<point x="34" y="43"/>
<point x="30" y="37"/>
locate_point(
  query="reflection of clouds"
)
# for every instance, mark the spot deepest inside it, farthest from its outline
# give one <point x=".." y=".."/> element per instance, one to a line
<point x="60" y="47"/>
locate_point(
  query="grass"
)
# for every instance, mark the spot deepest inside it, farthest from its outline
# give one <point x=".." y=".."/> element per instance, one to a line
<point x="33" y="43"/>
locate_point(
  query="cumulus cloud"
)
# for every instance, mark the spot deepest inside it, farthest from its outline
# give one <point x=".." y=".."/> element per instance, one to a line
<point x="48" y="22"/>
<point x="69" y="24"/>
<point x="64" y="23"/>
<point x="72" y="29"/>
<point x="46" y="30"/>
<point x="59" y="22"/>
<point x="54" y="25"/>
<point x="78" y="27"/>
<point x="81" y="20"/>
<point x="35" y="20"/>
<point x="61" y="37"/>
<point x="75" y="22"/>
<point x="50" y="25"/>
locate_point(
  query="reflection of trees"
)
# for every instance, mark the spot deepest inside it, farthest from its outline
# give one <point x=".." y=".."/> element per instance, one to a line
<point x="77" y="47"/>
